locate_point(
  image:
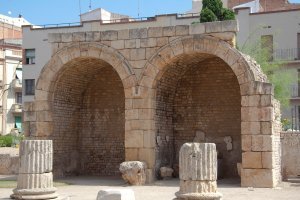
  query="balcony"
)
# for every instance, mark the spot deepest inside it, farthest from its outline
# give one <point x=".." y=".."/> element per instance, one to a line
<point x="17" y="84"/>
<point x="291" y="54"/>
<point x="16" y="108"/>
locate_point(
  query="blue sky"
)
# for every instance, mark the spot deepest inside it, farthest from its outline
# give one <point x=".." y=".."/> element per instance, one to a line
<point x="60" y="11"/>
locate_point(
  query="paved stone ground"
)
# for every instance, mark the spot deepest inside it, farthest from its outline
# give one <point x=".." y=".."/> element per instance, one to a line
<point x="86" y="188"/>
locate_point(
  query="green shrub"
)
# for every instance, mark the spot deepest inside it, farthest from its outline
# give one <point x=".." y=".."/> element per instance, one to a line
<point x="214" y="5"/>
<point x="227" y="14"/>
<point x="6" y="140"/>
<point x="207" y="15"/>
<point x="10" y="140"/>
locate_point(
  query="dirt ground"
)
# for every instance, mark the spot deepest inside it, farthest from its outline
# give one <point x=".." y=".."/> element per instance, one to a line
<point x="86" y="188"/>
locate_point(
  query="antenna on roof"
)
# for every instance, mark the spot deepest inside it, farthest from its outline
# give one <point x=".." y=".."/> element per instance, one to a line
<point x="138" y="8"/>
<point x="79" y="1"/>
<point x="90" y="5"/>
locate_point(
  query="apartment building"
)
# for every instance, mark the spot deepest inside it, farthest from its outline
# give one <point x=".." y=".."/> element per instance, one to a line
<point x="11" y="74"/>
<point x="281" y="30"/>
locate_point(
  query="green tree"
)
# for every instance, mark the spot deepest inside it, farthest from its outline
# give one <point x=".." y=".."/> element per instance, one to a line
<point x="212" y="10"/>
<point x="207" y="15"/>
<point x="281" y="78"/>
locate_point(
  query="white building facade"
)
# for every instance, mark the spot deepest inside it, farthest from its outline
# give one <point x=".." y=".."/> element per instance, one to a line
<point x="282" y="30"/>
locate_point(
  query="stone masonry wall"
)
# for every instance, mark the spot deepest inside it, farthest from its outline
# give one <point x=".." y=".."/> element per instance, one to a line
<point x="199" y="95"/>
<point x="103" y="125"/>
<point x="89" y="120"/>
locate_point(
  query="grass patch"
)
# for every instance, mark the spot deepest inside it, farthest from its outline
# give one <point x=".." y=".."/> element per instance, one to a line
<point x="13" y="184"/>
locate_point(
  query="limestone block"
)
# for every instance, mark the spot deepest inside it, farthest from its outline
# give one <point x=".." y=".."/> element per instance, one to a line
<point x="89" y="36"/>
<point x="213" y="27"/>
<point x="66" y="37"/>
<point x="148" y="42"/>
<point x="250" y="128"/>
<point x="97" y="36"/>
<point x="123" y="34"/>
<point x="182" y="30"/>
<point x="251" y="100"/>
<point x="78" y="37"/>
<point x="116" y="194"/>
<point x="54" y="37"/>
<point x="35" y="156"/>
<point x="230" y="26"/>
<point x="193" y="155"/>
<point x="149" y="139"/>
<point x="268" y="160"/>
<point x="138" y="54"/>
<point x="109" y="35"/>
<point x="162" y="41"/>
<point x="252" y="160"/>
<point x="138" y="33"/>
<point x="267" y="128"/>
<point x="118" y="44"/>
<point x="134" y="172"/>
<point x="29" y="116"/>
<point x="134" y="139"/>
<point x="246" y="142"/>
<point x="155" y="32"/>
<point x="148" y="156"/>
<point x="166" y="172"/>
<point x="130" y="44"/>
<point x="28" y="106"/>
<point x="262" y="143"/>
<point x="226" y="36"/>
<point x="150" y="177"/>
<point x="131" y="154"/>
<point x="259" y="178"/>
<point x="169" y="31"/>
<point x="198" y="28"/>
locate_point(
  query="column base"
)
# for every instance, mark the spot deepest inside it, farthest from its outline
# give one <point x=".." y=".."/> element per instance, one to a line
<point x="198" y="196"/>
<point x="34" y="194"/>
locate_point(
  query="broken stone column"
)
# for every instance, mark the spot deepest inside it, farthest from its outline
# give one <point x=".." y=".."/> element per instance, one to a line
<point x="134" y="172"/>
<point x="35" y="179"/>
<point x="116" y="194"/>
<point x="198" y="172"/>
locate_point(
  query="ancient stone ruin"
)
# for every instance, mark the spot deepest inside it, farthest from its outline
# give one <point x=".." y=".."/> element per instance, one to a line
<point x="198" y="172"/>
<point x="134" y="172"/>
<point x="35" y="179"/>
<point x="110" y="96"/>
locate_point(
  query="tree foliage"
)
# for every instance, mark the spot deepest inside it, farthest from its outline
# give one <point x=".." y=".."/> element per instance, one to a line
<point x="281" y="78"/>
<point x="207" y="15"/>
<point x="212" y="10"/>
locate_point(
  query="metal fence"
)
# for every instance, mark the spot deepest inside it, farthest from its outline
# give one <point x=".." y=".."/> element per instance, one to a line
<point x="287" y="54"/>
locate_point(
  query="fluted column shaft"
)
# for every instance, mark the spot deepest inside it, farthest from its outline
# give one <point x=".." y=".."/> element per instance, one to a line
<point x="198" y="171"/>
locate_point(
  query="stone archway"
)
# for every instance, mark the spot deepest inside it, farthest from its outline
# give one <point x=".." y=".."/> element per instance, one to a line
<point x="84" y="88"/>
<point x="254" y="103"/>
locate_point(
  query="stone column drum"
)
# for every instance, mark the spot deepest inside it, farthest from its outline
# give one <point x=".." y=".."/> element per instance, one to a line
<point x="198" y="172"/>
<point x="35" y="179"/>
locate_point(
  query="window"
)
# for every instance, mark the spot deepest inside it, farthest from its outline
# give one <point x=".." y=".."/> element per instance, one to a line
<point x="30" y="56"/>
<point x="19" y="97"/>
<point x="18" y="123"/>
<point x="29" y="86"/>
<point x="267" y="46"/>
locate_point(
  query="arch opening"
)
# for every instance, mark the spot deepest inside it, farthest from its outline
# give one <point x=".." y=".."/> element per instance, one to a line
<point x="89" y="119"/>
<point x="198" y="100"/>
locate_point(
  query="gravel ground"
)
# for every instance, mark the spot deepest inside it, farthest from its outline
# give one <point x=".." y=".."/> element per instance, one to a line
<point x="9" y="150"/>
<point x="86" y="188"/>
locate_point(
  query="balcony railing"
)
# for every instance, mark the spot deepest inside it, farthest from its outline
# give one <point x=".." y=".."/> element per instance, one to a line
<point x="17" y="84"/>
<point x="16" y="108"/>
<point x="287" y="54"/>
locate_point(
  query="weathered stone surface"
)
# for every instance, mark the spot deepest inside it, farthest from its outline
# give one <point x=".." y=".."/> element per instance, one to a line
<point x="9" y="161"/>
<point x="35" y="179"/>
<point x="134" y="172"/>
<point x="166" y="172"/>
<point x="198" y="181"/>
<point x="194" y="155"/>
<point x="35" y="156"/>
<point x="116" y="194"/>
<point x="257" y="178"/>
